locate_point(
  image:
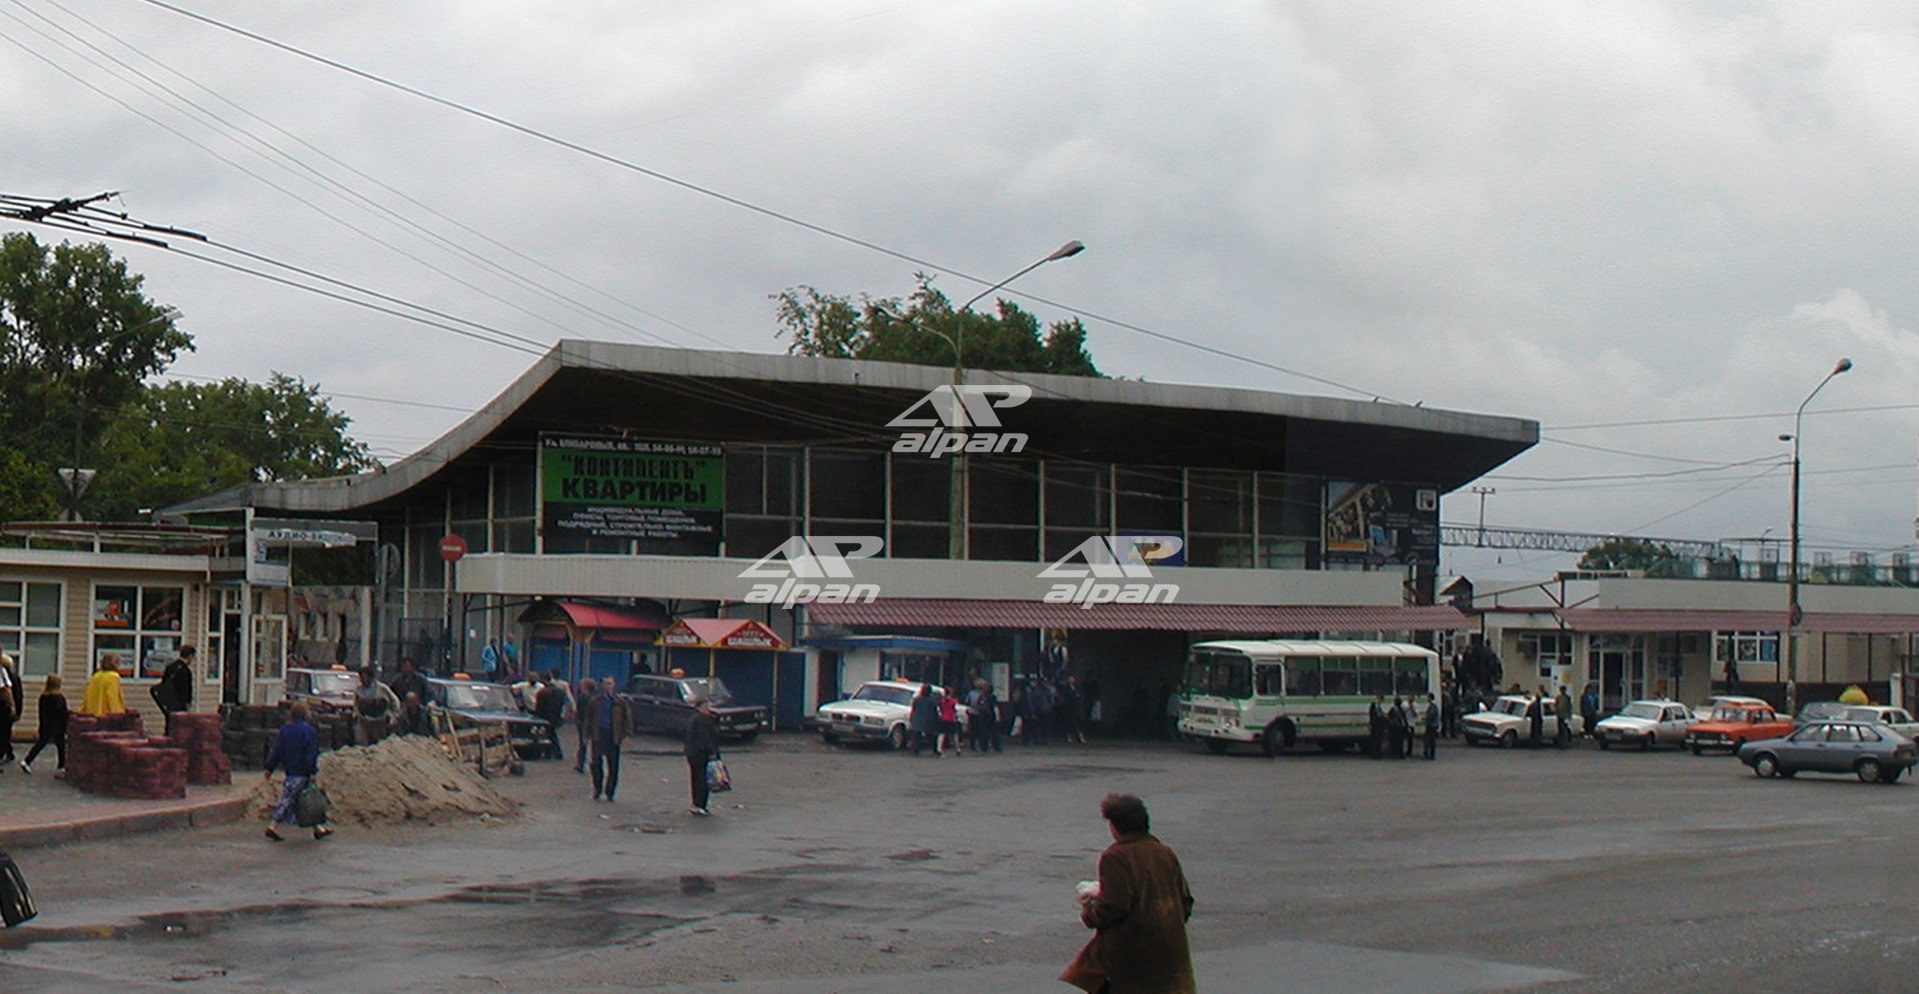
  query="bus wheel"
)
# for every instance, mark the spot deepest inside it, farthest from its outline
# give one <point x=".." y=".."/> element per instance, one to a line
<point x="1216" y="746"/>
<point x="1278" y="736"/>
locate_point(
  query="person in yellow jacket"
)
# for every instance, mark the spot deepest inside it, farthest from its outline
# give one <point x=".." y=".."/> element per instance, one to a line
<point x="103" y="688"/>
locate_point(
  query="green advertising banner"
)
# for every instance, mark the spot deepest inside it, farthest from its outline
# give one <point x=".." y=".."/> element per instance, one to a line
<point x="621" y="488"/>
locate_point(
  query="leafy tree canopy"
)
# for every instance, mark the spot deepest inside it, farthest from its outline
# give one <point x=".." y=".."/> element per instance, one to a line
<point x="180" y="440"/>
<point x="78" y="343"/>
<point x="1635" y="554"/>
<point x="924" y="328"/>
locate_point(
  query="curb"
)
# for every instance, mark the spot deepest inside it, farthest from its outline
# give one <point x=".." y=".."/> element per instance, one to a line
<point x="200" y="815"/>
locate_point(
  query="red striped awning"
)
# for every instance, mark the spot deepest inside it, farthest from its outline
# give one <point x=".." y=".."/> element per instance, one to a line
<point x="903" y="612"/>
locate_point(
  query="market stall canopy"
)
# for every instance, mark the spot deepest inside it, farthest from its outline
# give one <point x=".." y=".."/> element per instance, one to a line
<point x="721" y="633"/>
<point x="636" y="623"/>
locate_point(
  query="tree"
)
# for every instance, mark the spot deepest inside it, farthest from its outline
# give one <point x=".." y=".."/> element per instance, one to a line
<point x="77" y="340"/>
<point x="181" y="440"/>
<point x="1638" y="555"/>
<point x="923" y="328"/>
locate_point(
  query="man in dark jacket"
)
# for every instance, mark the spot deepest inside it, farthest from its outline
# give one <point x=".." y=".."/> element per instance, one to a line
<point x="176" y="683"/>
<point x="608" y="719"/>
<point x="1138" y="912"/>
<point x="923" y="720"/>
<point x="702" y="747"/>
<point x="296" y="749"/>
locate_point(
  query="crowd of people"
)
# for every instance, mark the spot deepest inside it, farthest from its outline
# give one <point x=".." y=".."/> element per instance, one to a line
<point x="1037" y="711"/>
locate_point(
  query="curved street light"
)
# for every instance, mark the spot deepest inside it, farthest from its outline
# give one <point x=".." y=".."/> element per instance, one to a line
<point x="1793" y="613"/>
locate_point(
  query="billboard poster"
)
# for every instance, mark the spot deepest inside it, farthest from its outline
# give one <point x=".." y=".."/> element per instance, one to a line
<point x="626" y="489"/>
<point x="1381" y="523"/>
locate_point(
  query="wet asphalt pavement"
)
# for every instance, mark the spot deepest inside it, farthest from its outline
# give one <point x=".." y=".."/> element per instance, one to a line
<point x="836" y="869"/>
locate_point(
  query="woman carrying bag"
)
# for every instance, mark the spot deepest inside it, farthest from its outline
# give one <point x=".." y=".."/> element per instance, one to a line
<point x="703" y="755"/>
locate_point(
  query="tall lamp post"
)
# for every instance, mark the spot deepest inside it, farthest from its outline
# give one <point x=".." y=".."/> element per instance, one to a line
<point x="1793" y="614"/>
<point x="956" y="499"/>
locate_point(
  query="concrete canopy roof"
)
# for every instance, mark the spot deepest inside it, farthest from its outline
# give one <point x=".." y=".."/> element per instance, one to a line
<point x="670" y="394"/>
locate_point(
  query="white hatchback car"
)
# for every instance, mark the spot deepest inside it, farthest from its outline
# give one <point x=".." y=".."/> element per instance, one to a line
<point x="877" y="712"/>
<point x="1645" y="724"/>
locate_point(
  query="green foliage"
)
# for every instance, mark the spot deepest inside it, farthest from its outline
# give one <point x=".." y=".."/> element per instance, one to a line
<point x="182" y="440"/>
<point x="923" y="328"/>
<point x="78" y="341"/>
<point x="1638" y="555"/>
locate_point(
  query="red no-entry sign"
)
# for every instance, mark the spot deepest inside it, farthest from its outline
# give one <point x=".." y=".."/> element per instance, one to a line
<point x="452" y="548"/>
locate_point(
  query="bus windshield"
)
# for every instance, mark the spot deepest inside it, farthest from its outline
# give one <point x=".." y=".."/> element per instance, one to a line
<point x="1219" y="674"/>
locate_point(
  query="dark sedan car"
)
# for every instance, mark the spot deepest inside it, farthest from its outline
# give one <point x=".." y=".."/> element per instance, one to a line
<point x="1872" y="752"/>
<point x="489" y="703"/>
<point x="664" y="704"/>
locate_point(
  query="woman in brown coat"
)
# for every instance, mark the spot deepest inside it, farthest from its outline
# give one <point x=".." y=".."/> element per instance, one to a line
<point x="1138" y="913"/>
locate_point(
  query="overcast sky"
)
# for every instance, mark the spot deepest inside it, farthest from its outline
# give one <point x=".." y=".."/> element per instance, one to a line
<point x="1652" y="227"/>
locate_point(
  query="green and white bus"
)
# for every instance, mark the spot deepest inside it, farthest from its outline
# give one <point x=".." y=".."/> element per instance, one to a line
<point x="1273" y="693"/>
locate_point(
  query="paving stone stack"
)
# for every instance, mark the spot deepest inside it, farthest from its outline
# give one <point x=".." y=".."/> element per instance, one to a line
<point x="248" y="731"/>
<point x="113" y="755"/>
<point x="203" y="738"/>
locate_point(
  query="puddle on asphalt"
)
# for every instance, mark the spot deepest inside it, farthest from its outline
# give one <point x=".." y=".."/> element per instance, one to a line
<point x="595" y="899"/>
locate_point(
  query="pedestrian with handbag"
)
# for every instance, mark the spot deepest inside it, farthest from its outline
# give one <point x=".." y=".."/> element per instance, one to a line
<point x="296" y="749"/>
<point x="702" y="748"/>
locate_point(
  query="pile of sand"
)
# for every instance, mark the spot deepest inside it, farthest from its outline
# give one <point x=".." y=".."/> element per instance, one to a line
<point x="408" y="779"/>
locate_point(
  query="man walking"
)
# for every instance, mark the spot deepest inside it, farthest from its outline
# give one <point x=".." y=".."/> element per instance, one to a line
<point x="1431" y="729"/>
<point x="1589" y="708"/>
<point x="1138" y="911"/>
<point x="702" y="747"/>
<point x="609" y="720"/>
<point x="1563" y="709"/>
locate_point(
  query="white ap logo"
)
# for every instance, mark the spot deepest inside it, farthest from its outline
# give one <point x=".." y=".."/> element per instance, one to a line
<point x="1116" y="557"/>
<point x="966" y="405"/>
<point x="814" y="558"/>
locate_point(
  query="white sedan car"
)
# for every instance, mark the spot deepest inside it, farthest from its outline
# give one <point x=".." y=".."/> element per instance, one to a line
<point x="880" y="711"/>
<point x="1898" y="719"/>
<point x="1645" y="724"/>
<point x="1507" y="723"/>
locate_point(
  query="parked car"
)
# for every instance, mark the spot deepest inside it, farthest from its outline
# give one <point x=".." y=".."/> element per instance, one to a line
<point x="1729" y="726"/>
<point x="1505" y="722"/>
<point x="1899" y="719"/>
<point x="479" y="701"/>
<point x="664" y="704"/>
<point x="1645" y="724"/>
<point x="329" y="689"/>
<point x="1820" y="711"/>
<point x="1870" y="751"/>
<point x="877" y="712"/>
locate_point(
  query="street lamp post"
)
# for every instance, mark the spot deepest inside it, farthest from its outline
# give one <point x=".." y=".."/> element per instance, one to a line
<point x="1793" y="613"/>
<point x="957" y="490"/>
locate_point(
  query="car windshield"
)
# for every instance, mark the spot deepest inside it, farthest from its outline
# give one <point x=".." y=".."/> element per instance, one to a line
<point x="479" y="697"/>
<point x="335" y="682"/>
<point x="1510" y="705"/>
<point x="889" y="695"/>
<point x="1822" y="711"/>
<point x="1739" y="714"/>
<point x="1641" y="709"/>
<point x="710" y="687"/>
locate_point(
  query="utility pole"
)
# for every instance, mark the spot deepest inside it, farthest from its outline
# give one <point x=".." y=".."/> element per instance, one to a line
<point x="1483" y="492"/>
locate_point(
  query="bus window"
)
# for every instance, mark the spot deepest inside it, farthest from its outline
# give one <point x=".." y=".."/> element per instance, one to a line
<point x="1302" y="676"/>
<point x="1227" y="675"/>
<point x="1376" y="677"/>
<point x="1339" y="677"/>
<point x="1409" y="678"/>
<point x="1269" y="680"/>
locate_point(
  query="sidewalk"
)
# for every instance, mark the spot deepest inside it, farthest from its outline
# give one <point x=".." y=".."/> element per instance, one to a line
<point x="39" y="810"/>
